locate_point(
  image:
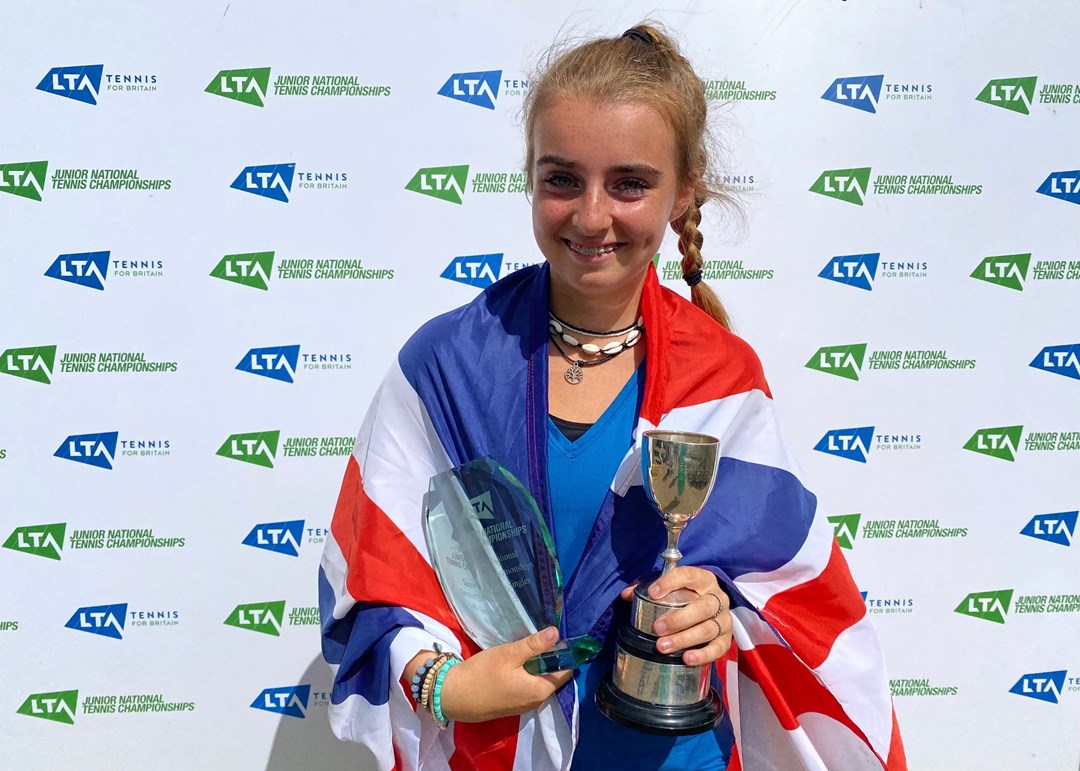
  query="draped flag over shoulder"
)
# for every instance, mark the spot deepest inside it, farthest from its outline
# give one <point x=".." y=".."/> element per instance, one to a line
<point x="806" y="687"/>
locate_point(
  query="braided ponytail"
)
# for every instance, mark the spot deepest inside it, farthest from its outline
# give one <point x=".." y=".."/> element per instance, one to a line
<point x="642" y="65"/>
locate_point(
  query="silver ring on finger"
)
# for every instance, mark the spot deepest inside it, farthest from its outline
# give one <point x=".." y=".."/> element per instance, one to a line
<point x="719" y="604"/>
<point x="719" y="629"/>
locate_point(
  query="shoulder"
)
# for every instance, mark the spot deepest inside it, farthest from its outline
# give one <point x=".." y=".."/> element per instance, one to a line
<point x="702" y="355"/>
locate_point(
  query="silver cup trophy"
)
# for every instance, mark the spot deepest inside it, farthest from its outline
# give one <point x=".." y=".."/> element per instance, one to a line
<point x="648" y="690"/>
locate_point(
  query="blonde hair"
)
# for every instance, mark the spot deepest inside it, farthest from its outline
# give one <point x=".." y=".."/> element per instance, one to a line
<point x="644" y="65"/>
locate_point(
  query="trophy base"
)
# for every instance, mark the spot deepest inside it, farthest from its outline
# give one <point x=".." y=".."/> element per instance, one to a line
<point x="681" y="720"/>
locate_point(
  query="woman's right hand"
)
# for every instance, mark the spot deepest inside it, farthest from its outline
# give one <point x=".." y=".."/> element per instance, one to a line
<point x="493" y="683"/>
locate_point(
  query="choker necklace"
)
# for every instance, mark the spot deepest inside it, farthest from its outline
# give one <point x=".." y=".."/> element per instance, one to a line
<point x="632" y="332"/>
<point x="575" y="373"/>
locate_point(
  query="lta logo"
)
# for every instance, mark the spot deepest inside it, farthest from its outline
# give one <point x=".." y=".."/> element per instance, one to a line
<point x="58" y="706"/>
<point x="252" y="269"/>
<point x="104" y="620"/>
<point x="848" y="185"/>
<point x="477" y="270"/>
<point x="1052" y="528"/>
<point x="447" y="183"/>
<point x="1060" y="360"/>
<point x="39" y="540"/>
<point x="1001" y="442"/>
<point x="854" y="270"/>
<point x="988" y="606"/>
<point x="276" y="363"/>
<point x="861" y="93"/>
<point x="1015" y="94"/>
<point x="248" y="86"/>
<point x="258" y="448"/>
<point x="845" y="528"/>
<point x="1064" y="185"/>
<point x="844" y="361"/>
<point x="476" y="88"/>
<point x="273" y="181"/>
<point x="848" y="443"/>
<point x="1043" y="686"/>
<point x="289" y="700"/>
<point x="279" y="537"/>
<point x="262" y="617"/>
<point x="34" y="364"/>
<point x="26" y="180"/>
<point x="92" y="449"/>
<point x="82" y="83"/>
<point x="87" y="269"/>
<point x="1007" y="270"/>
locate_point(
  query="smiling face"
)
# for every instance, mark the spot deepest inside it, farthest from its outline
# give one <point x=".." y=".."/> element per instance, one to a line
<point x="605" y="186"/>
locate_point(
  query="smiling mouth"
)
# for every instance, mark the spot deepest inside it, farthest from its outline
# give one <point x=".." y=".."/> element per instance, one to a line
<point x="589" y="251"/>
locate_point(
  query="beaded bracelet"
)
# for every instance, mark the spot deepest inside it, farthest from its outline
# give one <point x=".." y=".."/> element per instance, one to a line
<point x="422" y="670"/>
<point x="436" y="694"/>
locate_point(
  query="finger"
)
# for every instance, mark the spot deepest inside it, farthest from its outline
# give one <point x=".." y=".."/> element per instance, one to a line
<point x="699" y="610"/>
<point x="698" y="634"/>
<point x="628" y="592"/>
<point x="686" y="577"/>
<point x="533" y="645"/>
<point x="557" y="679"/>
<point x="711" y="652"/>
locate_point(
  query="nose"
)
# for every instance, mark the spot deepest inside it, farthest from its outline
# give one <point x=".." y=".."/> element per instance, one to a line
<point x="593" y="213"/>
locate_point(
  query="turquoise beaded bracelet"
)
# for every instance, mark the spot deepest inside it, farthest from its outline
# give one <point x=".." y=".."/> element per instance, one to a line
<point x="436" y="693"/>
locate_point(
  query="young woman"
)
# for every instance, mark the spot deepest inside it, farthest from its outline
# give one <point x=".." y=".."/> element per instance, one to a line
<point x="555" y="371"/>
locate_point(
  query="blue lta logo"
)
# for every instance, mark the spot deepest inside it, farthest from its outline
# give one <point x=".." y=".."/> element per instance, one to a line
<point x="92" y="449"/>
<point x="104" y="620"/>
<point x="291" y="700"/>
<point x="848" y="443"/>
<point x="81" y="83"/>
<point x="273" y="181"/>
<point x="854" y="270"/>
<point x="861" y="92"/>
<point x="1043" y="686"/>
<point x="1053" y="528"/>
<point x="476" y="88"/>
<point x="88" y="269"/>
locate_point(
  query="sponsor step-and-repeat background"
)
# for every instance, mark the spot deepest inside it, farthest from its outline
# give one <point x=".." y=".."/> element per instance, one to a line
<point x="220" y="222"/>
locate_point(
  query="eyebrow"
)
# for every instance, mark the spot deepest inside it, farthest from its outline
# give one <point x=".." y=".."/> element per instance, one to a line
<point x="629" y="168"/>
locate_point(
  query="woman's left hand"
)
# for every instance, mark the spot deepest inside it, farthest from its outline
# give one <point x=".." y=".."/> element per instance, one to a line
<point x="705" y="620"/>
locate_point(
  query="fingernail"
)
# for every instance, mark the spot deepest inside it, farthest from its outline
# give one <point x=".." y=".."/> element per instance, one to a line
<point x="660" y="627"/>
<point x="654" y="591"/>
<point x="663" y="646"/>
<point x="690" y="659"/>
<point x="549" y="635"/>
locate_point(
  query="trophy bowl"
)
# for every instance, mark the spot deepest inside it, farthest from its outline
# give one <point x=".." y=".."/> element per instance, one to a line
<point x="648" y="690"/>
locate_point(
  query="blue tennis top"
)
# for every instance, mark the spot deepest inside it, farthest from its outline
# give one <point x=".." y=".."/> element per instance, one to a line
<point x="579" y="472"/>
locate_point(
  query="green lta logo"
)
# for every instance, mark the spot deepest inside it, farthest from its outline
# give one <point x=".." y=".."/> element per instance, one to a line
<point x="58" y="706"/>
<point x="259" y="448"/>
<point x="248" y="86"/>
<point x="1007" y="270"/>
<point x="1014" y="94"/>
<point x="39" y="540"/>
<point x="841" y="360"/>
<point x="847" y="185"/>
<point x="447" y="183"/>
<point x="250" y="269"/>
<point x="26" y="180"/>
<point x="845" y="528"/>
<point x="30" y="363"/>
<point x="1001" y="442"/>
<point x="262" y="617"/>
<point x="989" y="606"/>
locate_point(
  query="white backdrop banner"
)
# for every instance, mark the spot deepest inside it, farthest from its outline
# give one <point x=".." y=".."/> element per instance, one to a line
<point x="219" y="222"/>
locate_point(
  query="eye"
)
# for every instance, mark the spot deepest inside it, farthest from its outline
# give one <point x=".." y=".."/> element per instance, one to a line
<point x="558" y="181"/>
<point x="632" y="186"/>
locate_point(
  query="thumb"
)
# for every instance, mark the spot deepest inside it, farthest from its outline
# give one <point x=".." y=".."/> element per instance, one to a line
<point x="536" y="643"/>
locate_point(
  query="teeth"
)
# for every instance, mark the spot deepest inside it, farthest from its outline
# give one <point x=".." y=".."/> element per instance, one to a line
<point x="592" y="252"/>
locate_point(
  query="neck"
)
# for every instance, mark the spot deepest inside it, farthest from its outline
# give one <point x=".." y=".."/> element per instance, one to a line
<point x="593" y="312"/>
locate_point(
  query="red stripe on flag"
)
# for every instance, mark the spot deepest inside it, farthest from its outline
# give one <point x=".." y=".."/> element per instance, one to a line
<point x="812" y="615"/>
<point x="488" y="746"/>
<point x="791" y="688"/>
<point x="384" y="567"/>
<point x="685" y="337"/>
<point x="897" y="758"/>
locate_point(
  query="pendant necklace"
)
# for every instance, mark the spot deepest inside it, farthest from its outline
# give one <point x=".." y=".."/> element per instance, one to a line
<point x="575" y="373"/>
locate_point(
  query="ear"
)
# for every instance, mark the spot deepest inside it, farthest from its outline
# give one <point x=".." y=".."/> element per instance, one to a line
<point x="684" y="198"/>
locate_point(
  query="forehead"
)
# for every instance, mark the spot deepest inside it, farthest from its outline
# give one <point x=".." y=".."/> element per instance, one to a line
<point x="596" y="134"/>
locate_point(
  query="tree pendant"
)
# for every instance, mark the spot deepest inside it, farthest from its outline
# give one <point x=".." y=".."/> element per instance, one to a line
<point x="574" y="373"/>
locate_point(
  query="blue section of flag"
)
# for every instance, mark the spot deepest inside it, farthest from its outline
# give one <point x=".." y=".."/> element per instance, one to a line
<point x="850" y="443"/>
<point x="1056" y="528"/>
<point x="104" y="620"/>
<point x="92" y="449"/>
<point x="272" y="181"/>
<point x="855" y="270"/>
<point x="89" y="269"/>
<point x="82" y="83"/>
<point x="280" y="537"/>
<point x="276" y="362"/>
<point x="477" y="88"/>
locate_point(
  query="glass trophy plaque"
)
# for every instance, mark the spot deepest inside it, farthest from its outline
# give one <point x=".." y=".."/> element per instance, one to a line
<point x="495" y="559"/>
